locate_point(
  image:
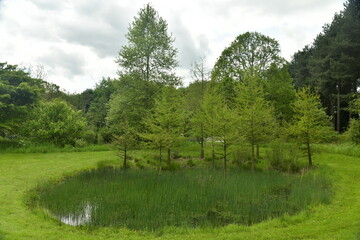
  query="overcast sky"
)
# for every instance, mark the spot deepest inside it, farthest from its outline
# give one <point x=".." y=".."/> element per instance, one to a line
<point x="77" y="41"/>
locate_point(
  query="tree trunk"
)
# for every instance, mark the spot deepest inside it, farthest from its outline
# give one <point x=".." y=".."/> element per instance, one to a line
<point x="252" y="157"/>
<point x="225" y="153"/>
<point x="168" y="158"/>
<point x="257" y="151"/>
<point x="309" y="153"/>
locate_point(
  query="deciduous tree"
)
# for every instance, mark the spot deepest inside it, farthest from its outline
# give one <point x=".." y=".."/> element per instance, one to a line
<point x="256" y="120"/>
<point x="310" y="123"/>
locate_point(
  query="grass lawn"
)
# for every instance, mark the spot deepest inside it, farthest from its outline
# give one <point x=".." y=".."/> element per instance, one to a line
<point x="21" y="172"/>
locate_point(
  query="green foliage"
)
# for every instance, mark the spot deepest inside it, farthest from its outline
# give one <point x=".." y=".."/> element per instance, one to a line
<point x="132" y="101"/>
<point x="280" y="92"/>
<point x="331" y="63"/>
<point x="310" y="123"/>
<point x="81" y="101"/>
<point x="89" y="136"/>
<point x="144" y="200"/>
<point x="249" y="52"/>
<point x="219" y="123"/>
<point x="55" y="122"/>
<point x="354" y="130"/>
<point x="124" y="139"/>
<point x="96" y="114"/>
<point x="149" y="53"/>
<point x="166" y="125"/>
<point x="18" y="94"/>
<point x="256" y="121"/>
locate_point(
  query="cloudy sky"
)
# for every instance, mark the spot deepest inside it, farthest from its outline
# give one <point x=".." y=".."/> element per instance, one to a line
<point x="77" y="41"/>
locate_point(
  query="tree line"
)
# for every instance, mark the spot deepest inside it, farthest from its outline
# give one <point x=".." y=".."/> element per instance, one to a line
<point x="251" y="95"/>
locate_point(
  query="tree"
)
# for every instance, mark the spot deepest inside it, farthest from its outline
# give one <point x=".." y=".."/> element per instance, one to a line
<point x="19" y="93"/>
<point x="331" y="64"/>
<point x="280" y="92"/>
<point x="124" y="139"/>
<point x="146" y="64"/>
<point x="165" y="126"/>
<point x="81" y="101"/>
<point x="219" y="123"/>
<point x="250" y="53"/>
<point x="55" y="122"/>
<point x="195" y="96"/>
<point x="256" y="121"/>
<point x="150" y="53"/>
<point x="310" y="123"/>
<point x="99" y="106"/>
<point x="132" y="100"/>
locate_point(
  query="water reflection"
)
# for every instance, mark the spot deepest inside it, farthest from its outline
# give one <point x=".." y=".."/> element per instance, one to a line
<point x="81" y="219"/>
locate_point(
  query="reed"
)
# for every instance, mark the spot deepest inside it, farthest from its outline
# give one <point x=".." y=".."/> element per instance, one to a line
<point x="145" y="200"/>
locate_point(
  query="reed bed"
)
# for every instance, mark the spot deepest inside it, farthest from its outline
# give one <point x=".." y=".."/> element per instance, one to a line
<point x="192" y="198"/>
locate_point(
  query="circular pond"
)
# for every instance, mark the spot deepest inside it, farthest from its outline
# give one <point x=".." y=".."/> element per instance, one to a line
<point x="145" y="200"/>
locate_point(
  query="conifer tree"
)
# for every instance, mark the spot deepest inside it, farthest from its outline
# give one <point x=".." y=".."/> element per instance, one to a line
<point x="310" y="123"/>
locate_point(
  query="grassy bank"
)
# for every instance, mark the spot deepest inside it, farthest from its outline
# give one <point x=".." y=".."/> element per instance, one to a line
<point x="22" y="172"/>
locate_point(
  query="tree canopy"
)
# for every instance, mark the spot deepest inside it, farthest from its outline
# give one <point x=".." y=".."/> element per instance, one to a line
<point x="150" y="52"/>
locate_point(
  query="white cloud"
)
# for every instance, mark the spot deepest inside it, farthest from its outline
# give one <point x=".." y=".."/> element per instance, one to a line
<point x="77" y="41"/>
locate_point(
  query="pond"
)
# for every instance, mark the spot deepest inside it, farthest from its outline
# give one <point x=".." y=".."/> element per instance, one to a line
<point x="144" y="200"/>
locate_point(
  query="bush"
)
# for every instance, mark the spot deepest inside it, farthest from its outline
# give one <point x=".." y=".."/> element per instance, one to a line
<point x="80" y="143"/>
<point x="354" y="130"/>
<point x="104" y="135"/>
<point x="8" y="143"/>
<point x="90" y="136"/>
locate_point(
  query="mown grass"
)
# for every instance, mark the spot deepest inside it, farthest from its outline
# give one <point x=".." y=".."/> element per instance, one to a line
<point x="145" y="200"/>
<point x="339" y="220"/>
<point x="55" y="149"/>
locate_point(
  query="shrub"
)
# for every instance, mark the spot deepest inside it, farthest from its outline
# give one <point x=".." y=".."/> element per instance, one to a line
<point x="354" y="130"/>
<point x="90" y="136"/>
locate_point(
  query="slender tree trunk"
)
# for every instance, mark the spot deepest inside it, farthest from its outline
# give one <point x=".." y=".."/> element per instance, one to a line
<point x="257" y="151"/>
<point x="252" y="157"/>
<point x="168" y="158"/>
<point x="225" y="153"/>
<point x="309" y="153"/>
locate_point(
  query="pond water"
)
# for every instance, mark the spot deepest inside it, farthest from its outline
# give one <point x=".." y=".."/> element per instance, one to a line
<point x="77" y="220"/>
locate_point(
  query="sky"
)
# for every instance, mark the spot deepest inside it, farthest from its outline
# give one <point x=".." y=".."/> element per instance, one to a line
<point x="77" y="41"/>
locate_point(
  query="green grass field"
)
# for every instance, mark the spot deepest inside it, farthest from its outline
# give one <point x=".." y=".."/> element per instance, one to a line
<point x="22" y="172"/>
